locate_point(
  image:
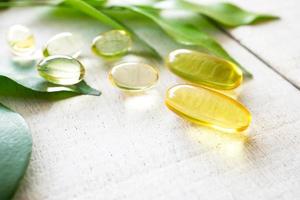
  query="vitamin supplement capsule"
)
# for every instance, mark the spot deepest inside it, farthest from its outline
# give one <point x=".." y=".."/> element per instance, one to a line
<point x="204" y="69"/>
<point x="63" y="44"/>
<point x="112" y="43"/>
<point x="21" y="40"/>
<point x="62" y="70"/>
<point x="207" y="107"/>
<point x="133" y="76"/>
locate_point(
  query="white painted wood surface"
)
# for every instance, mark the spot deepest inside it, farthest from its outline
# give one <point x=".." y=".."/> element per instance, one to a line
<point x="278" y="42"/>
<point x="131" y="147"/>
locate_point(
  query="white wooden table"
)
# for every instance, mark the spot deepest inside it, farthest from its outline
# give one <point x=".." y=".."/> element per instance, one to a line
<point x="131" y="147"/>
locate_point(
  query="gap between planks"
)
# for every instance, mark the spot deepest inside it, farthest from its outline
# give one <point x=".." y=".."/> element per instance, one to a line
<point x="257" y="56"/>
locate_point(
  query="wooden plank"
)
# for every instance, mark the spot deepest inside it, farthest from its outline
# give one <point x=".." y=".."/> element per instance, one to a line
<point x="277" y="42"/>
<point x="120" y="146"/>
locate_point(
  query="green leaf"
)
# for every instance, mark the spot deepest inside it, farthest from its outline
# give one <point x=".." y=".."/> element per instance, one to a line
<point x="25" y="3"/>
<point x="15" y="150"/>
<point x="93" y="12"/>
<point x="27" y="76"/>
<point x="186" y="34"/>
<point x="227" y="14"/>
<point x="108" y="20"/>
<point x="5" y="2"/>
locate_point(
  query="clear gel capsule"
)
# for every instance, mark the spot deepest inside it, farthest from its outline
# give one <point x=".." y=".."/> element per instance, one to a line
<point x="63" y="44"/>
<point x="208" y="108"/>
<point x="204" y="69"/>
<point x="21" y="40"/>
<point x="62" y="70"/>
<point x="112" y="43"/>
<point x="133" y="76"/>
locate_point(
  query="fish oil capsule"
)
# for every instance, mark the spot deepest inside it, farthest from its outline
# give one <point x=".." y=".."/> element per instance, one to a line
<point x="21" y="40"/>
<point x="204" y="69"/>
<point x="133" y="76"/>
<point x="208" y="108"/>
<point x="112" y="43"/>
<point x="62" y="70"/>
<point x="63" y="44"/>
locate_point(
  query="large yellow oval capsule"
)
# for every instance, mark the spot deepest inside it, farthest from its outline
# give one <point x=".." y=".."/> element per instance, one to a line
<point x="207" y="107"/>
<point x="133" y="76"/>
<point x="62" y="70"/>
<point x="112" y="43"/>
<point x="21" y="40"/>
<point x="204" y="69"/>
<point x="63" y="44"/>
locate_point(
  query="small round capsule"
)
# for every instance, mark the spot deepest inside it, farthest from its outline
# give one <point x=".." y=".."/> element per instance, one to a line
<point x="133" y="76"/>
<point x="63" y="44"/>
<point x="21" y="40"/>
<point x="112" y="43"/>
<point x="62" y="70"/>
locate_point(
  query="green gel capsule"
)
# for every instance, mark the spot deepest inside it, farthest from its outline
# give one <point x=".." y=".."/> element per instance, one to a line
<point x="112" y="43"/>
<point x="204" y="69"/>
<point x="63" y="44"/>
<point x="62" y="70"/>
<point x="133" y="76"/>
<point x="21" y="40"/>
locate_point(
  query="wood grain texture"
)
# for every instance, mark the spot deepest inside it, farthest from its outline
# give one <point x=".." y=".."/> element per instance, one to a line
<point x="277" y="42"/>
<point x="131" y="147"/>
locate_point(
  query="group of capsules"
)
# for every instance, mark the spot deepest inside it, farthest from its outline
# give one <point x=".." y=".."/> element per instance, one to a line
<point x="200" y="101"/>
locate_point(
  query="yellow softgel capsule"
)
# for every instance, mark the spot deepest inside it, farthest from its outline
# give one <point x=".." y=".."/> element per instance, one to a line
<point x="208" y="108"/>
<point x="133" y="76"/>
<point x="62" y="70"/>
<point x="112" y="43"/>
<point x="204" y="69"/>
<point x="63" y="44"/>
<point x="21" y="40"/>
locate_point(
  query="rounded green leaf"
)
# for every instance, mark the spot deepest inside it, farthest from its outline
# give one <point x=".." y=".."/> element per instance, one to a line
<point x="15" y="150"/>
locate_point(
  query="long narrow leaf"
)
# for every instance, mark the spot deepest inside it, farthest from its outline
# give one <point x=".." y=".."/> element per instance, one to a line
<point x="26" y="3"/>
<point x="106" y="19"/>
<point x="93" y="12"/>
<point x="227" y="14"/>
<point x="185" y="34"/>
<point x="28" y="77"/>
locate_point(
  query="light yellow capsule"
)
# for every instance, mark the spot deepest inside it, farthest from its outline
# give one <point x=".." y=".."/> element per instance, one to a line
<point x="62" y="70"/>
<point x="208" y="108"/>
<point x="112" y="43"/>
<point x="133" y="76"/>
<point x="204" y="69"/>
<point x="63" y="44"/>
<point x="21" y="40"/>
